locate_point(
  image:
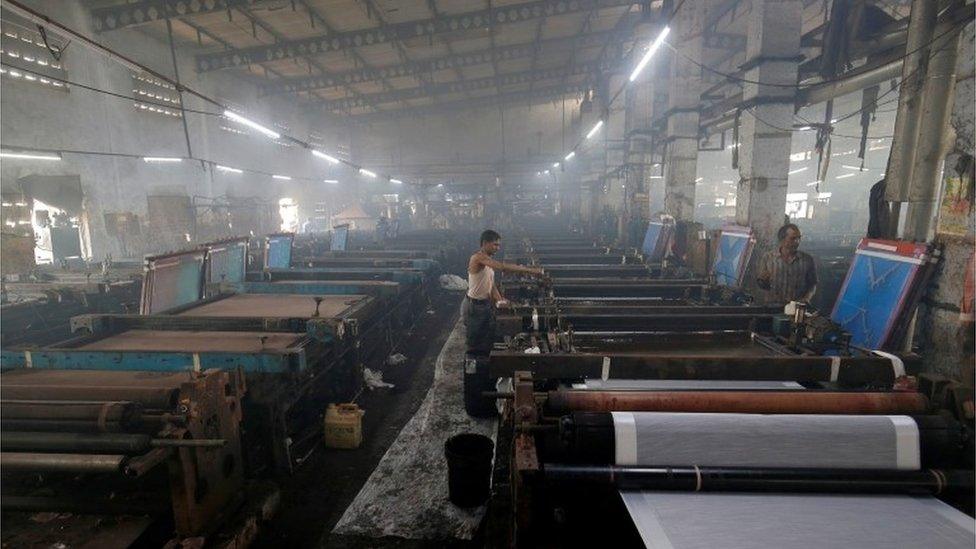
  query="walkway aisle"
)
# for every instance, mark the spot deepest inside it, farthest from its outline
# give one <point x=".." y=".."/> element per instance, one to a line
<point x="406" y="496"/>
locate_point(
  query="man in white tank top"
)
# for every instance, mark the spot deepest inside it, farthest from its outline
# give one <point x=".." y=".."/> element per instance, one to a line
<point x="483" y="295"/>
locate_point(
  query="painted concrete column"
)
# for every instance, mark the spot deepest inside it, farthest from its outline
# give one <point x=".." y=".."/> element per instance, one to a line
<point x="681" y="139"/>
<point x="772" y="46"/>
<point x="639" y="100"/>
<point x="942" y="331"/>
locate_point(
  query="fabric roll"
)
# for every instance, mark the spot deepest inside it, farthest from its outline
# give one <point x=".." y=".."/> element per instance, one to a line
<point x="755" y="440"/>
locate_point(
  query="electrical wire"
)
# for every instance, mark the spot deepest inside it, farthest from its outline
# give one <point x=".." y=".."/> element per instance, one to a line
<point x="107" y="92"/>
<point x="41" y="19"/>
<point x="212" y="164"/>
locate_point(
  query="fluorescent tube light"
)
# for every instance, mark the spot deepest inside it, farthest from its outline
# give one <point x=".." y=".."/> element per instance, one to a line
<point x="229" y="169"/>
<point x="650" y="53"/>
<point x="367" y="173"/>
<point x="30" y="156"/>
<point x="321" y="154"/>
<point x="570" y="155"/>
<point x="161" y="159"/>
<point x="596" y="128"/>
<point x="282" y="177"/>
<point x="251" y="124"/>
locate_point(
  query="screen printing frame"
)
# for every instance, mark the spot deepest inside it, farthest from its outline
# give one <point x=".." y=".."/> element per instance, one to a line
<point x="880" y="308"/>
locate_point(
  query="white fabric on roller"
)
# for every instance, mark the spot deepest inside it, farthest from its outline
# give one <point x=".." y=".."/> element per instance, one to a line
<point x="756" y="440"/>
<point x="674" y="520"/>
<point x="897" y="366"/>
<point x="685" y="385"/>
<point x="625" y="436"/>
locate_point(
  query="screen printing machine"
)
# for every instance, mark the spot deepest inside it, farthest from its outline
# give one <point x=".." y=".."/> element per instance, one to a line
<point x="344" y="248"/>
<point x="219" y="379"/>
<point x="731" y="424"/>
<point x="37" y="307"/>
<point x="282" y="265"/>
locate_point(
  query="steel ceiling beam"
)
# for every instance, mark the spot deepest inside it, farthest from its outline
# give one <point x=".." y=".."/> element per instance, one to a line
<point x="536" y="95"/>
<point x="461" y="86"/>
<point x="467" y="21"/>
<point x="516" y="51"/>
<point x="278" y="37"/>
<point x="146" y="11"/>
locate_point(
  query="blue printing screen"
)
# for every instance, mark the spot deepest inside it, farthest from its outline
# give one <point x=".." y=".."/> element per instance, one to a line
<point x="227" y="265"/>
<point x="279" y="252"/>
<point x="728" y="259"/>
<point x="339" y="237"/>
<point x="868" y="305"/>
<point x="172" y="289"/>
<point x="651" y="238"/>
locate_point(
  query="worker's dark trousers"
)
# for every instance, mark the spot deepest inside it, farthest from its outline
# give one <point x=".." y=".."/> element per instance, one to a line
<point x="479" y="319"/>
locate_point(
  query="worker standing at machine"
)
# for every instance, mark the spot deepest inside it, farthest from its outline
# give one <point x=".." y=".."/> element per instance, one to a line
<point x="483" y="295"/>
<point x="786" y="273"/>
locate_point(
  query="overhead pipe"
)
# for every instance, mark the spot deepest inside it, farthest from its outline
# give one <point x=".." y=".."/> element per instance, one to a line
<point x="857" y="79"/>
<point x="938" y="91"/>
<point x="901" y="159"/>
<point x="817" y="93"/>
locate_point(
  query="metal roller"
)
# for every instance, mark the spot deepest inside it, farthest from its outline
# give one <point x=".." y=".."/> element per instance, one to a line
<point x="104" y="443"/>
<point x="53" y="415"/>
<point x="160" y="398"/>
<point x="747" y="479"/>
<point x="743" y="402"/>
<point x="101" y="443"/>
<point x="61" y="463"/>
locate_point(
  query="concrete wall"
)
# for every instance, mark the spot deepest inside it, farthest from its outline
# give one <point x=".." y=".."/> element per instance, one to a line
<point x="35" y="116"/>
<point x="943" y="338"/>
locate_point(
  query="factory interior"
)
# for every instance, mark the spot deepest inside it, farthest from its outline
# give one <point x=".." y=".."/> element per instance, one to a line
<point x="673" y="274"/>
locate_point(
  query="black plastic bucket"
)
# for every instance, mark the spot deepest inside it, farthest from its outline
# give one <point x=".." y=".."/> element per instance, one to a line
<point x="469" y="468"/>
<point x="476" y="382"/>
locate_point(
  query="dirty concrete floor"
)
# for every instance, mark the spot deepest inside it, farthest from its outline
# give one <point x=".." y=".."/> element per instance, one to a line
<point x="315" y="497"/>
<point x="407" y="494"/>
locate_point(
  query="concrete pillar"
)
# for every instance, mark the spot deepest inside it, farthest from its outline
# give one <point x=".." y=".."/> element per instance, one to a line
<point x="681" y="156"/>
<point x="610" y="187"/>
<point x="945" y="336"/>
<point x="772" y="47"/>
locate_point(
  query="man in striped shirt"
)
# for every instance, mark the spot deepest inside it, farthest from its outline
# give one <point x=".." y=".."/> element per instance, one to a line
<point x="786" y="273"/>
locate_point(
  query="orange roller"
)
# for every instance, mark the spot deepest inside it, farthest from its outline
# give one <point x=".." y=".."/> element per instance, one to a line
<point x="741" y="402"/>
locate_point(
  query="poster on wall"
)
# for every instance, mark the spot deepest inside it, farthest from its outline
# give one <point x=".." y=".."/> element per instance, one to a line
<point x="956" y="210"/>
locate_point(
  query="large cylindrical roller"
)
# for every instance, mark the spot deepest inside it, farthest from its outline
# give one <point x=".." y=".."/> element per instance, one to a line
<point x="741" y="402"/>
<point x="749" y="440"/>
